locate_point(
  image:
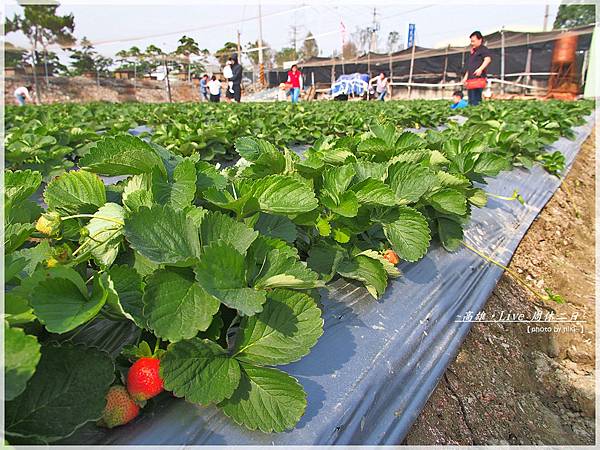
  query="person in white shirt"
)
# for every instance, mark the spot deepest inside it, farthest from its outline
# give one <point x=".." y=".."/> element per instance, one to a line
<point x="381" y="86"/>
<point x="214" y="89"/>
<point x="22" y="94"/>
<point x="228" y="73"/>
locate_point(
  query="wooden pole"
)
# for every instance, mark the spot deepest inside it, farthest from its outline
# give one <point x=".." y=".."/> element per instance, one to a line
<point x="34" y="69"/>
<point x="527" y="68"/>
<point x="584" y="66"/>
<point x="260" y="48"/>
<point x="445" y="71"/>
<point x="410" y="73"/>
<point x="502" y="54"/>
<point x="390" y="76"/>
<point x="46" y="67"/>
<point x="168" y="82"/>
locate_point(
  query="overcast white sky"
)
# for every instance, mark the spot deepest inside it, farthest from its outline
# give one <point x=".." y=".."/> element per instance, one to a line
<point x="112" y="26"/>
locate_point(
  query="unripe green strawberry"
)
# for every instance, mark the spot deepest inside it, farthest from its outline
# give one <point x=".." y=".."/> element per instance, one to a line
<point x="120" y="408"/>
<point x="143" y="379"/>
<point x="48" y="224"/>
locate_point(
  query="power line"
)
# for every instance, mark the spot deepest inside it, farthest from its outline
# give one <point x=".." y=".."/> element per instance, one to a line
<point x="187" y="30"/>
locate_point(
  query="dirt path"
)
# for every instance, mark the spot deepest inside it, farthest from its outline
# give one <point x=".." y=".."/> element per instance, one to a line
<point x="511" y="386"/>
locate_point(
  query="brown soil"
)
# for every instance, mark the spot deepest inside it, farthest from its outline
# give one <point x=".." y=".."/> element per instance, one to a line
<point x="509" y="385"/>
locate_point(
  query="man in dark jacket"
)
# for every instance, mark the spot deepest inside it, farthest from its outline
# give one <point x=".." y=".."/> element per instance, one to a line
<point x="236" y="79"/>
<point x="475" y="78"/>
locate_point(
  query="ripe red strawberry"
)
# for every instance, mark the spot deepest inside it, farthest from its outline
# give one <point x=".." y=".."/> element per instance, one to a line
<point x="391" y="256"/>
<point x="120" y="408"/>
<point x="143" y="380"/>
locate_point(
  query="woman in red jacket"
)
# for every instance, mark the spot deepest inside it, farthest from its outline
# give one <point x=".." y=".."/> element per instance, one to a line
<point x="295" y="80"/>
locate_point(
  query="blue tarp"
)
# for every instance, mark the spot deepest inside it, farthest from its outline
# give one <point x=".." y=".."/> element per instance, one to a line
<point x="377" y="363"/>
<point x="354" y="84"/>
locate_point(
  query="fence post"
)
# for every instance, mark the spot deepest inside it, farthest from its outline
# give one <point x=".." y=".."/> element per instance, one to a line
<point x="445" y="71"/>
<point x="410" y="74"/>
<point x="502" y="59"/>
<point x="390" y="77"/>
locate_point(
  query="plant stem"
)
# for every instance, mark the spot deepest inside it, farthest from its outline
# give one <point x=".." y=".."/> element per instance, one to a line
<point x="515" y="196"/>
<point x="511" y="272"/>
<point x="157" y="345"/>
<point x="76" y="261"/>
<point x="92" y="216"/>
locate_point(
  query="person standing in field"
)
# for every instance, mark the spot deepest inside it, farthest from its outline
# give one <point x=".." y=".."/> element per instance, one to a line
<point x="236" y="78"/>
<point x="475" y="79"/>
<point x="381" y="86"/>
<point x="214" y="87"/>
<point x="22" y="94"/>
<point x="295" y="80"/>
<point x="228" y="74"/>
<point x="204" y="88"/>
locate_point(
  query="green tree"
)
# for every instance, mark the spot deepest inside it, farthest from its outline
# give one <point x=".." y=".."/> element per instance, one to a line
<point x="309" y="49"/>
<point x="42" y="27"/>
<point x="225" y="52"/>
<point x="134" y="60"/>
<point x="188" y="47"/>
<point x="570" y="16"/>
<point x="83" y="58"/>
<point x="285" y="54"/>
<point x="156" y="54"/>
<point x="14" y="57"/>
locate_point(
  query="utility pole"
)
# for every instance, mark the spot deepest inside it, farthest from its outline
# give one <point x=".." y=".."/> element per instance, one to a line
<point x="372" y="30"/>
<point x="294" y="37"/>
<point x="546" y="14"/>
<point x="261" y="63"/>
<point x="239" y="47"/>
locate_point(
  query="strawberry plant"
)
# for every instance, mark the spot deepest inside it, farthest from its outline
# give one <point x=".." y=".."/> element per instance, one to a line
<point x="142" y="252"/>
<point x="220" y="269"/>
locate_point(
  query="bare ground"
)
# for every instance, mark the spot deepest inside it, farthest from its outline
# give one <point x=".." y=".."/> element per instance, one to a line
<point x="509" y="385"/>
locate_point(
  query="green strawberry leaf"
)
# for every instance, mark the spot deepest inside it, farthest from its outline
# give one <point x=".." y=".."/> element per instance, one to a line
<point x="281" y="194"/>
<point x="178" y="191"/>
<point x="67" y="390"/>
<point x="75" y="192"/>
<point x="221" y="271"/>
<point x="163" y="235"/>
<point x="105" y="236"/>
<point x="449" y="201"/>
<point x="215" y="226"/>
<point x="266" y="399"/>
<point x="450" y="233"/>
<point x="176" y="306"/>
<point x="15" y="235"/>
<point x="121" y="155"/>
<point x="199" y="370"/>
<point x="409" y="181"/>
<point x="61" y="306"/>
<point x="276" y="226"/>
<point x="22" y="353"/>
<point x="125" y="294"/>
<point x="370" y="271"/>
<point x="284" y="331"/>
<point x="409" y="234"/>
<point x="374" y="192"/>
